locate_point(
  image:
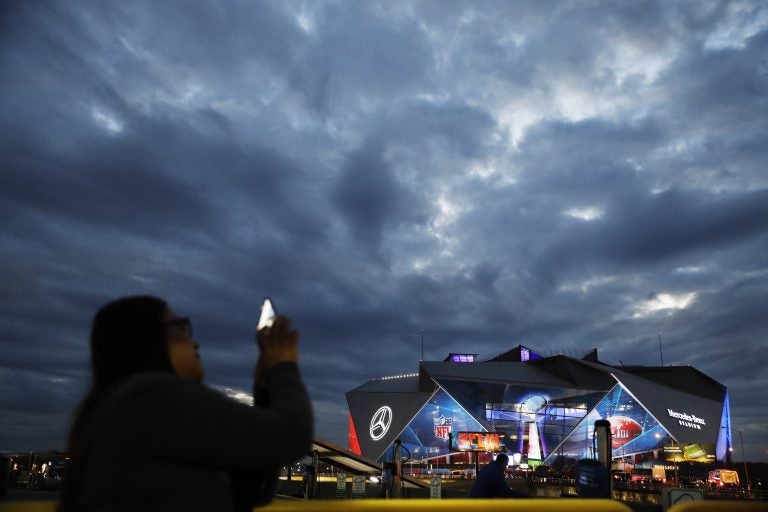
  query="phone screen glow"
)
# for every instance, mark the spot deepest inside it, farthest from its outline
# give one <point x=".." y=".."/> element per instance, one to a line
<point x="267" y="317"/>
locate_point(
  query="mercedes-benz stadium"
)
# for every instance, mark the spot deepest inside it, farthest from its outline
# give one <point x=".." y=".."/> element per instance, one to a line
<point x="543" y="409"/>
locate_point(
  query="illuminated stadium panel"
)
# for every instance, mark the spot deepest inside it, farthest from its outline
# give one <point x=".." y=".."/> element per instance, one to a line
<point x="633" y="429"/>
<point x="545" y="408"/>
<point x="427" y="435"/>
<point x="515" y="409"/>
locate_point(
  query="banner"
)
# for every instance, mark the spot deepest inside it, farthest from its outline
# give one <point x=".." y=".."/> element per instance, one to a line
<point x="358" y="486"/>
<point x="341" y="485"/>
<point x="435" y="488"/>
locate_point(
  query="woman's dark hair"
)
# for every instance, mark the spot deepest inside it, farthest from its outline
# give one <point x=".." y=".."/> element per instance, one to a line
<point x="127" y="338"/>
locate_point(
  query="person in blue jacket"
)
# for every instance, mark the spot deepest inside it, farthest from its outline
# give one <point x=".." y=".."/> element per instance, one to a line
<point x="490" y="481"/>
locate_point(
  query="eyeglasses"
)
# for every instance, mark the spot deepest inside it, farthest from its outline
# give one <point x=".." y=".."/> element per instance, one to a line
<point x="183" y="323"/>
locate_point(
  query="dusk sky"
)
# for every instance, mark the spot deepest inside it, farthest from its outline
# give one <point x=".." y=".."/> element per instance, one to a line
<point x="562" y="175"/>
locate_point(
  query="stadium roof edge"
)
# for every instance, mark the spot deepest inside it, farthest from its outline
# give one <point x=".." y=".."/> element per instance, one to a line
<point x="698" y="383"/>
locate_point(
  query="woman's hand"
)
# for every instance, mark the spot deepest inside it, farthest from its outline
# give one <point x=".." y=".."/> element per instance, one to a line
<point x="277" y="344"/>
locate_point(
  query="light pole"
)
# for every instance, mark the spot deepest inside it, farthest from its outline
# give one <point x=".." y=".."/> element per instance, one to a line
<point x="674" y="453"/>
<point x="675" y="458"/>
<point x="743" y="455"/>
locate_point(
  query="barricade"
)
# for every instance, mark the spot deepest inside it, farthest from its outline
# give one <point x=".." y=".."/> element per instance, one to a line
<point x="456" y="505"/>
<point x="718" y="506"/>
<point x="27" y="506"/>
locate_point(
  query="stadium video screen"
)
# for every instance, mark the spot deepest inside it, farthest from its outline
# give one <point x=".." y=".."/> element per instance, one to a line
<point x="476" y="442"/>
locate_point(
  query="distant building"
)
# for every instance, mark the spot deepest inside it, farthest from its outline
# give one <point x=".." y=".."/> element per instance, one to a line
<point x="544" y="408"/>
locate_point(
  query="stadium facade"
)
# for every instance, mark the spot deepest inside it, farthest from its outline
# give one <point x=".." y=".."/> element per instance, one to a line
<point x="544" y="409"/>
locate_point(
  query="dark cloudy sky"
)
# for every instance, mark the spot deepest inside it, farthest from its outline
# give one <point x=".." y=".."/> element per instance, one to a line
<point x="565" y="175"/>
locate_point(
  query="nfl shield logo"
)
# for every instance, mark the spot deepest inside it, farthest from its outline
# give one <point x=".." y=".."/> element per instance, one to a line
<point x="443" y="427"/>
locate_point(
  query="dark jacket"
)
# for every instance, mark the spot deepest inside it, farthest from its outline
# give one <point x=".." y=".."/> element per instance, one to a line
<point x="164" y="443"/>
<point x="490" y="483"/>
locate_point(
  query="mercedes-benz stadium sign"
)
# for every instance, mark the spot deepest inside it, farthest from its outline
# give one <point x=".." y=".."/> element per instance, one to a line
<point x="380" y="422"/>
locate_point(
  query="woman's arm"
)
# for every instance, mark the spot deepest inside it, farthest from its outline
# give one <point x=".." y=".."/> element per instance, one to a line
<point x="185" y="421"/>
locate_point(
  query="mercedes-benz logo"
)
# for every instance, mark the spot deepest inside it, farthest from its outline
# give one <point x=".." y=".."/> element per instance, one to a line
<point x="380" y="422"/>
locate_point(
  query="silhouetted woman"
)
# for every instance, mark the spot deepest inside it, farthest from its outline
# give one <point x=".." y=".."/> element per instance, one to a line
<point x="149" y="436"/>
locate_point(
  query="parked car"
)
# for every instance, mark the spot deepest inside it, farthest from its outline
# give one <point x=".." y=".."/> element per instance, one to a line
<point x="53" y="479"/>
<point x="618" y="475"/>
<point x="655" y="475"/>
<point x="21" y="479"/>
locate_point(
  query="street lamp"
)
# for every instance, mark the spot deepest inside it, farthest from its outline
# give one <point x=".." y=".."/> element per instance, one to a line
<point x="744" y="456"/>
<point x="673" y="450"/>
<point x="743" y="453"/>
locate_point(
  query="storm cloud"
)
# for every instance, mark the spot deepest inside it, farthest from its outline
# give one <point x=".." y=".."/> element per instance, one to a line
<point x="565" y="175"/>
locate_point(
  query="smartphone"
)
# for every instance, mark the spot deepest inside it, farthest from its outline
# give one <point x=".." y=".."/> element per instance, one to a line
<point x="268" y="315"/>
